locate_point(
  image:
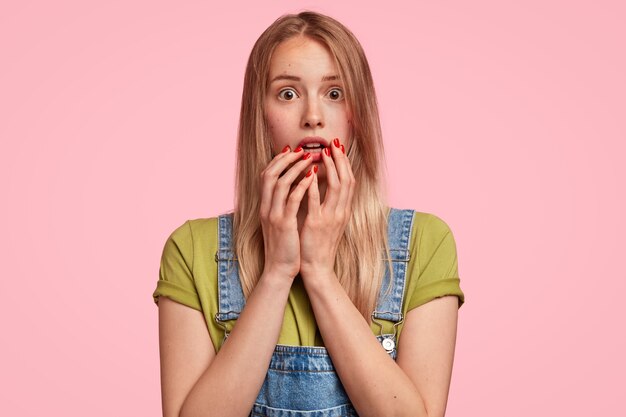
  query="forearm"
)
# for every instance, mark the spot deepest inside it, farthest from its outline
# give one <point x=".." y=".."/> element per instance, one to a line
<point x="376" y="385"/>
<point x="229" y="386"/>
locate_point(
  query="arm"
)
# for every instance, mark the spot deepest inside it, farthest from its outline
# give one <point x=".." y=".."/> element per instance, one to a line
<point x="426" y="350"/>
<point x="195" y="380"/>
<point x="417" y="385"/>
<point x="185" y="349"/>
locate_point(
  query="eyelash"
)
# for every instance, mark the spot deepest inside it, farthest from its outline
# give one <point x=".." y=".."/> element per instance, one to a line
<point x="280" y="93"/>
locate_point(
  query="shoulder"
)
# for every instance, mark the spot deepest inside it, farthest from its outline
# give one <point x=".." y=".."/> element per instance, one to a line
<point x="429" y="225"/>
<point x="193" y="237"/>
<point x="194" y="229"/>
<point x="426" y="225"/>
<point x="431" y="236"/>
<point x="433" y="265"/>
<point x="202" y="226"/>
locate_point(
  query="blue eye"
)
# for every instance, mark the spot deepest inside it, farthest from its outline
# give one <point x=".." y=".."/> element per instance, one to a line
<point x="287" y="94"/>
<point x="336" y="94"/>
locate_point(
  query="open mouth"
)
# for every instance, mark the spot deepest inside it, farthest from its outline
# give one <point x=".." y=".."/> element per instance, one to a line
<point x="314" y="143"/>
<point x="312" y="147"/>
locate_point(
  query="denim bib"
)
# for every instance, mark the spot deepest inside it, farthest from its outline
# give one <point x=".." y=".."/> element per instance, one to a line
<point x="301" y="380"/>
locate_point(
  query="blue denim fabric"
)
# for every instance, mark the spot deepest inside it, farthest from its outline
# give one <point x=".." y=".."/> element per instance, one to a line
<point x="301" y="380"/>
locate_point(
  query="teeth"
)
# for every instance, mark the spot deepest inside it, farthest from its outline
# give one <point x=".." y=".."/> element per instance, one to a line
<point x="312" y="146"/>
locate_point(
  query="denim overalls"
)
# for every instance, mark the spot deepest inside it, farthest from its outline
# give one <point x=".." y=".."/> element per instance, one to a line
<point x="301" y="380"/>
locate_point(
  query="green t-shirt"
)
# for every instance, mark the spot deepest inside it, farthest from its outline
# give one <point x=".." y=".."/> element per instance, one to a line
<point x="188" y="275"/>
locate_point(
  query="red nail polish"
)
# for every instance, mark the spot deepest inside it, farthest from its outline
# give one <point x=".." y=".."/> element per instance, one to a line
<point x="343" y="149"/>
<point x="298" y="149"/>
<point x="315" y="168"/>
<point x="336" y="142"/>
<point x="306" y="156"/>
<point x="286" y="148"/>
<point x="308" y="174"/>
<point x="327" y="151"/>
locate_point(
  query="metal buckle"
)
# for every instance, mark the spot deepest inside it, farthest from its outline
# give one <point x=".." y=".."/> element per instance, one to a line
<point x="222" y="323"/>
<point x="388" y="344"/>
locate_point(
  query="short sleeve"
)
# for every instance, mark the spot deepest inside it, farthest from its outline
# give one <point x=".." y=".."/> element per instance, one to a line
<point x="437" y="267"/>
<point x="176" y="270"/>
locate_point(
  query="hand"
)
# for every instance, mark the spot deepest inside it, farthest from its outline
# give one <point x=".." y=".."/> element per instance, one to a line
<point x="278" y="211"/>
<point x="325" y="223"/>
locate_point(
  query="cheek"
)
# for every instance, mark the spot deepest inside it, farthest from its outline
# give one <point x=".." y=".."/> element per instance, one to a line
<point x="275" y="125"/>
<point x="274" y="118"/>
<point x="272" y="121"/>
<point x="270" y="115"/>
<point x="349" y="131"/>
<point x="345" y="124"/>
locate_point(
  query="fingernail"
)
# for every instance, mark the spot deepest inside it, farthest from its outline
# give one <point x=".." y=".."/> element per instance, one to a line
<point x="327" y="151"/>
<point x="336" y="142"/>
<point x="306" y="155"/>
<point x="286" y="148"/>
<point x="315" y="168"/>
<point x="343" y="149"/>
<point x="298" y="149"/>
<point x="308" y="174"/>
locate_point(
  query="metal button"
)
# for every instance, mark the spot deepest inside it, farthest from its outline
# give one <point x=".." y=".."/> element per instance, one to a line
<point x="389" y="344"/>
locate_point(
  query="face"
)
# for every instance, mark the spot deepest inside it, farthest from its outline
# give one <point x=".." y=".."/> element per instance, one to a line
<point x="305" y="102"/>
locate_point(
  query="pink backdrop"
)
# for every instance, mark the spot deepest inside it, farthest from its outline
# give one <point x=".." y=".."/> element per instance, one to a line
<point x="118" y="123"/>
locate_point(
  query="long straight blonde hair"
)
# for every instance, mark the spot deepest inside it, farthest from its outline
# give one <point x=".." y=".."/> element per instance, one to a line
<point x="359" y="263"/>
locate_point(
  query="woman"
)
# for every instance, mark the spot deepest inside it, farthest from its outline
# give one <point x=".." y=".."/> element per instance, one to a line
<point x="289" y="306"/>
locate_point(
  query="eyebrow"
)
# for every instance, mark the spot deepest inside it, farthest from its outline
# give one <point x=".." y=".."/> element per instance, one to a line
<point x="294" y="78"/>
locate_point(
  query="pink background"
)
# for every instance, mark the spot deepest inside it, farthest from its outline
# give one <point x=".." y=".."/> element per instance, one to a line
<point x="118" y="123"/>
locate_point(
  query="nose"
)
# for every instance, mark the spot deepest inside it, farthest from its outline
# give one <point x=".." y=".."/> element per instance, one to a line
<point x="312" y="116"/>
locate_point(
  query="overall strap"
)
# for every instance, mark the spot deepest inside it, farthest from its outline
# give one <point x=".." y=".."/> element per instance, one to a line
<point x="391" y="295"/>
<point x="229" y="291"/>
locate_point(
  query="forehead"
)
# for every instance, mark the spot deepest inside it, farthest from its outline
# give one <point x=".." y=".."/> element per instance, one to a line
<point x="301" y="55"/>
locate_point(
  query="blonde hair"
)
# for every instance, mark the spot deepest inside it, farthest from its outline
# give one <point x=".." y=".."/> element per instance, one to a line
<point x="359" y="263"/>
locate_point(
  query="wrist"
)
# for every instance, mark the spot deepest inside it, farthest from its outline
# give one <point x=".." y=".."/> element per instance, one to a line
<point x="277" y="278"/>
<point x="317" y="275"/>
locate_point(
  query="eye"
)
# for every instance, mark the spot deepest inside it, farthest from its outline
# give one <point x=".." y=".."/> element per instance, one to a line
<point x="336" y="94"/>
<point x="287" y="94"/>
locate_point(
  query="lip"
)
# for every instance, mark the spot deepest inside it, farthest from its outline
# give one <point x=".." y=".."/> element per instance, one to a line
<point x="314" y="139"/>
<point x="316" y="157"/>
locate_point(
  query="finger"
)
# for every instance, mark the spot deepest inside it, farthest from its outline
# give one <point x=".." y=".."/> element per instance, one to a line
<point x="296" y="195"/>
<point x="333" y="185"/>
<point x="340" y="159"/>
<point x="314" y="196"/>
<point x="270" y="175"/>
<point x="286" y="151"/>
<point x="342" y="165"/>
<point x="284" y="183"/>
<point x="283" y="159"/>
<point x="344" y="172"/>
